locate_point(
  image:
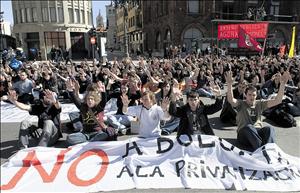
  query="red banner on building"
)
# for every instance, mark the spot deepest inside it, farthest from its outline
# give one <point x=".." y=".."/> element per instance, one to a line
<point x="231" y="31"/>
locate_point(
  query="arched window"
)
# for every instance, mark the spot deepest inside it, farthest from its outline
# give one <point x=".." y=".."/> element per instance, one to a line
<point x="191" y="38"/>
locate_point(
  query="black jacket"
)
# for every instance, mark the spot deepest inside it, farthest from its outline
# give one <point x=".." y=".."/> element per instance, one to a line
<point x="186" y="117"/>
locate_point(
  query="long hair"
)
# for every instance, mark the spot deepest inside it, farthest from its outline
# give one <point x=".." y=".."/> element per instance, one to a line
<point x="95" y="94"/>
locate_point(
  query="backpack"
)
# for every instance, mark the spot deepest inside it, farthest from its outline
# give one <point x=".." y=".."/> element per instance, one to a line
<point x="279" y="116"/>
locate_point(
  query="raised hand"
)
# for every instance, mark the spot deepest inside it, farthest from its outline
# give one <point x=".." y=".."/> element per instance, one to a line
<point x="101" y="86"/>
<point x="50" y="95"/>
<point x="165" y="103"/>
<point x="70" y="84"/>
<point x="285" y="77"/>
<point x="228" y="77"/>
<point x="125" y="100"/>
<point x="215" y="89"/>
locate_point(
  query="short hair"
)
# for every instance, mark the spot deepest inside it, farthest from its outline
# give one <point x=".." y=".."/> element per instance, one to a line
<point x="193" y="94"/>
<point x="151" y="96"/>
<point x="250" y="88"/>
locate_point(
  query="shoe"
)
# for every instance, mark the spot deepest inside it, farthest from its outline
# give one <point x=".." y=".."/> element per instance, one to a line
<point x="123" y="131"/>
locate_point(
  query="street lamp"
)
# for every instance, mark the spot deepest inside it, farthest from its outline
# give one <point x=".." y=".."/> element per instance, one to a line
<point x="125" y="7"/>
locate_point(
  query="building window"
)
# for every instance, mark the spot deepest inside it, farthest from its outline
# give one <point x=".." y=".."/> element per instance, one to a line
<point x="71" y="16"/>
<point x="55" y="38"/>
<point x="16" y="16"/>
<point x="193" y="6"/>
<point x="77" y="16"/>
<point x="28" y="15"/>
<point x="60" y="15"/>
<point x="252" y="1"/>
<point x="34" y="14"/>
<point x="90" y="18"/>
<point x="23" y="16"/>
<point x="274" y="10"/>
<point x="45" y="14"/>
<point x="82" y="17"/>
<point x="53" y="14"/>
<point x="227" y="11"/>
<point x="33" y="36"/>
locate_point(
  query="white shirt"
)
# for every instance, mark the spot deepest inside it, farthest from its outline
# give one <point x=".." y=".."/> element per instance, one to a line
<point x="149" y="119"/>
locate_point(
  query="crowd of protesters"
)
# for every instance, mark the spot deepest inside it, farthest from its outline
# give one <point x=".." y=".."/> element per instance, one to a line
<point x="161" y="95"/>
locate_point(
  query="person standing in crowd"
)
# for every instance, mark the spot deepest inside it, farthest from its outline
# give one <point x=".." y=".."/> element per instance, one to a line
<point x="193" y="115"/>
<point x="48" y="112"/>
<point x="250" y="131"/>
<point x="24" y="88"/>
<point x="148" y="114"/>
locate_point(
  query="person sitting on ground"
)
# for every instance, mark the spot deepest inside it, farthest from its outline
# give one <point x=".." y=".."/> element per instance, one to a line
<point x="92" y="113"/>
<point x="120" y="121"/>
<point x="250" y="132"/>
<point x="48" y="112"/>
<point x="171" y="124"/>
<point x="24" y="88"/>
<point x="193" y="115"/>
<point x="148" y="114"/>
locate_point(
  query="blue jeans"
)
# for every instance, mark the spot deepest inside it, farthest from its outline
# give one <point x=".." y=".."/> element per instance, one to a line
<point x="119" y="121"/>
<point x="76" y="138"/>
<point x="254" y="138"/>
<point x="169" y="126"/>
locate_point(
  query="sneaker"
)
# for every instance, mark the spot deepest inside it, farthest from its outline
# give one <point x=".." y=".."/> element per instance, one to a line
<point x="123" y="131"/>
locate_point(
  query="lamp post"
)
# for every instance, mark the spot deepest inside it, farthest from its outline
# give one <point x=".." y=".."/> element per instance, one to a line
<point x="125" y="7"/>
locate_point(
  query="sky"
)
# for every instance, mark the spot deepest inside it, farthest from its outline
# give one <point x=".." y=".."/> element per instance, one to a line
<point x="97" y="5"/>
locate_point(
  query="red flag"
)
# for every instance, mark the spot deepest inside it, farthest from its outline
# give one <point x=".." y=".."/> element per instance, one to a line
<point x="281" y="50"/>
<point x="247" y="41"/>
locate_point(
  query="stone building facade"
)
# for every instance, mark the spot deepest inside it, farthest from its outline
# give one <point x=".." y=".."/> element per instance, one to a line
<point x="129" y="19"/>
<point x="194" y="23"/>
<point x="111" y="26"/>
<point x="48" y="23"/>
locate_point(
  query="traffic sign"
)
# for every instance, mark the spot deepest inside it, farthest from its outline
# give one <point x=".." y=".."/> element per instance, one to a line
<point x="93" y="40"/>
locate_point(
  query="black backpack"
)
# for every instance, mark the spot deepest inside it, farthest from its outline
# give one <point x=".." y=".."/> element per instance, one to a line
<point x="280" y="116"/>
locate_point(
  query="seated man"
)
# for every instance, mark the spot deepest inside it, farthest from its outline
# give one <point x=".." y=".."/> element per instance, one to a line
<point x="24" y="88"/>
<point x="193" y="115"/>
<point x="250" y="132"/>
<point x="48" y="112"/>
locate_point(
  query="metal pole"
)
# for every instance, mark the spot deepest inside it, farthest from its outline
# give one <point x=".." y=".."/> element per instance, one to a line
<point x="126" y="41"/>
<point x="125" y="32"/>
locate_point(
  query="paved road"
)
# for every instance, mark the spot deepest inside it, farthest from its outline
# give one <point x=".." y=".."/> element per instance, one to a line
<point x="286" y="138"/>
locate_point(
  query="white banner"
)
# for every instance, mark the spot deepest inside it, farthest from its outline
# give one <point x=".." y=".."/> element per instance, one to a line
<point x="200" y="162"/>
<point x="12" y="114"/>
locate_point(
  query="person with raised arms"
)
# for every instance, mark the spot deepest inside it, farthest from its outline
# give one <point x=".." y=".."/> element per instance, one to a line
<point x="250" y="132"/>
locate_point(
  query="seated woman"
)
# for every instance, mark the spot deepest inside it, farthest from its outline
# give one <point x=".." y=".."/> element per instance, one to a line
<point x="170" y="125"/>
<point x="119" y="121"/>
<point x="92" y="113"/>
